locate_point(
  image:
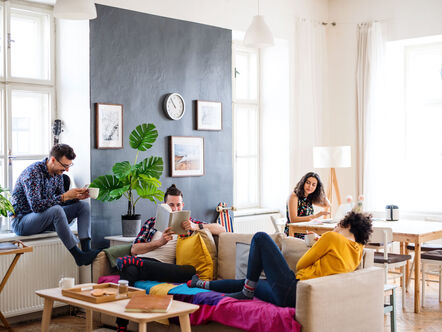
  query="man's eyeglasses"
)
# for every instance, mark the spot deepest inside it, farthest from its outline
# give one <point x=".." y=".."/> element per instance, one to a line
<point x="64" y="165"/>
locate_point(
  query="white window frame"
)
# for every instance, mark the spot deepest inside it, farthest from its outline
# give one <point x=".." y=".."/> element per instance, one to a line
<point x="8" y="83"/>
<point x="239" y="47"/>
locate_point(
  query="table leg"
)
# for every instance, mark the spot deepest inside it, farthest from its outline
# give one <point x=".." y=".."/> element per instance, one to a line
<point x="417" y="271"/>
<point x="402" y="251"/>
<point x="89" y="315"/>
<point x="142" y="327"/>
<point x="291" y="232"/>
<point x="407" y="265"/>
<point x="47" y="312"/>
<point x="185" y="323"/>
<point x="10" y="269"/>
<point x="5" y="322"/>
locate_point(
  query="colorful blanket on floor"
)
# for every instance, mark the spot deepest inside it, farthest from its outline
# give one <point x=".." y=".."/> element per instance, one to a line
<point x="249" y="315"/>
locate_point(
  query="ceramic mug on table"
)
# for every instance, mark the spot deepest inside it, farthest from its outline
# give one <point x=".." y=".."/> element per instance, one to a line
<point x="309" y="239"/>
<point x="66" y="283"/>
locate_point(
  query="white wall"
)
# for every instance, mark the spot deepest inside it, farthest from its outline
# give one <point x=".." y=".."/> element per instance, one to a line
<point x="73" y="93"/>
<point x="402" y="19"/>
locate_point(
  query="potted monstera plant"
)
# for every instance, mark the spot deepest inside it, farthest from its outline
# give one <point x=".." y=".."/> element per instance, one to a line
<point x="134" y="181"/>
<point x="5" y="204"/>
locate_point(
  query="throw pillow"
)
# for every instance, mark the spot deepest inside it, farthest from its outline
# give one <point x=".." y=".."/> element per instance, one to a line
<point x="193" y="251"/>
<point x="209" y="241"/>
<point x="292" y="250"/>
<point x="114" y="252"/>
<point x="242" y="260"/>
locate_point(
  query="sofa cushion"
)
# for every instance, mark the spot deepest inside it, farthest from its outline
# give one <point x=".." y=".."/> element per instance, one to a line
<point x="242" y="260"/>
<point x="114" y="252"/>
<point x="193" y="251"/>
<point x="227" y="251"/>
<point x="292" y="250"/>
<point x="211" y="247"/>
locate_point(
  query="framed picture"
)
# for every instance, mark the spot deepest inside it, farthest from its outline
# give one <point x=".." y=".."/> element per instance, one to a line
<point x="109" y="126"/>
<point x="186" y="156"/>
<point x="209" y="115"/>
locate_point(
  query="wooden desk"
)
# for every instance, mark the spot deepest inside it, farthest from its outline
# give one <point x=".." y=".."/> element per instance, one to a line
<point x="17" y="252"/>
<point x="404" y="231"/>
<point x="116" y="309"/>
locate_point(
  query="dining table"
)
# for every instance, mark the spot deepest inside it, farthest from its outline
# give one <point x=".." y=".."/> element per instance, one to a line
<point x="405" y="231"/>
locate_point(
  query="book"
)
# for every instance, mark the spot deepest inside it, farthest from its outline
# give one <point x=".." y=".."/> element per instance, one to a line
<point x="149" y="303"/>
<point x="8" y="246"/>
<point x="165" y="217"/>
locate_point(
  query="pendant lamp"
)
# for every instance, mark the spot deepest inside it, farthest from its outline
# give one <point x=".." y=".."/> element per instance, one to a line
<point x="75" y="9"/>
<point x="258" y="34"/>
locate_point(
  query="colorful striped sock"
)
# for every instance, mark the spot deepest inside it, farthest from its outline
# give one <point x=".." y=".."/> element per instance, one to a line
<point x="249" y="288"/>
<point x="197" y="282"/>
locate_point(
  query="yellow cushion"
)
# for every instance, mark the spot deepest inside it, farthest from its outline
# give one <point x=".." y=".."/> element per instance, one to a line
<point x="193" y="251"/>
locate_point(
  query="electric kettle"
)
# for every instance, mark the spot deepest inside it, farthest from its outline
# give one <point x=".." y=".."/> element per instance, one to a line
<point x="392" y="212"/>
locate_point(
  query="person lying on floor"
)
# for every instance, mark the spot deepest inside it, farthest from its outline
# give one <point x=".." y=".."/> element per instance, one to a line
<point x="154" y="251"/>
<point x="337" y="251"/>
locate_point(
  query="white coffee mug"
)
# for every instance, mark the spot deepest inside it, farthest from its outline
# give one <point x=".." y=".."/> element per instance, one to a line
<point x="309" y="239"/>
<point x="93" y="192"/>
<point x="66" y="283"/>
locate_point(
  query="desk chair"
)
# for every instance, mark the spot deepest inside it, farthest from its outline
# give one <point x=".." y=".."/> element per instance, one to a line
<point x="391" y="306"/>
<point x="432" y="258"/>
<point x="278" y="223"/>
<point x="425" y="247"/>
<point x="386" y="259"/>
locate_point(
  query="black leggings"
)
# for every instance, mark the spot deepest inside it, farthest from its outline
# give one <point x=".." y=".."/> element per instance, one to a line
<point x="155" y="270"/>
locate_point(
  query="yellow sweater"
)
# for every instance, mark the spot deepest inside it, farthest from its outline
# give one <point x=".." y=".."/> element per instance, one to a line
<point x="333" y="253"/>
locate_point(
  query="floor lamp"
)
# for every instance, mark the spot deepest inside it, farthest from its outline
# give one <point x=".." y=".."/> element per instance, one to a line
<point x="332" y="157"/>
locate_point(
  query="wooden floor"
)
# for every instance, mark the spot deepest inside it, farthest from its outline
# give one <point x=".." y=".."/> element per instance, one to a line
<point x="429" y="320"/>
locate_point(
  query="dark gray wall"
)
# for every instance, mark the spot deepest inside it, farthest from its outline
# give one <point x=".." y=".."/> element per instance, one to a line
<point x="135" y="60"/>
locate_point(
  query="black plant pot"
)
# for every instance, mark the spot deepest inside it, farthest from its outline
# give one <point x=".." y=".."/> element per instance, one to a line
<point x="131" y="225"/>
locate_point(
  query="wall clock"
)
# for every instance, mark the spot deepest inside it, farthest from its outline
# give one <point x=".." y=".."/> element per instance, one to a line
<point x="174" y="106"/>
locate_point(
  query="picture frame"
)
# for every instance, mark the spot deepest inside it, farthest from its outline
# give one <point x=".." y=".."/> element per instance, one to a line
<point x="209" y="115"/>
<point x="186" y="155"/>
<point x="108" y="126"/>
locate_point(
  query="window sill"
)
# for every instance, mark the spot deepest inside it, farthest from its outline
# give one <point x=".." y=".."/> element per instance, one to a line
<point x="254" y="212"/>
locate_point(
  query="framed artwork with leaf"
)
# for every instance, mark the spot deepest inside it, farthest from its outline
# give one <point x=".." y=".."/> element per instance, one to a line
<point x="209" y="115"/>
<point x="109" y="126"/>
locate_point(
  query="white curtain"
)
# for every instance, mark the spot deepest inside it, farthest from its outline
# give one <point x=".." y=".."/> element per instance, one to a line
<point x="310" y="92"/>
<point x="370" y="88"/>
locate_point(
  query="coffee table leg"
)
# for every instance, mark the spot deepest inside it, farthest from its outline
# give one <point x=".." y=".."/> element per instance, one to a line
<point x="5" y="322"/>
<point x="47" y="312"/>
<point x="142" y="327"/>
<point x="185" y="323"/>
<point x="89" y="315"/>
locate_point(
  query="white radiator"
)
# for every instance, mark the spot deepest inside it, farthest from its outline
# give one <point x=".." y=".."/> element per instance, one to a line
<point x="250" y="224"/>
<point x="40" y="269"/>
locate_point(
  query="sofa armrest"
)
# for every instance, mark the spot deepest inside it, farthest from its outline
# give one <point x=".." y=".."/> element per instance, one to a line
<point x="342" y="302"/>
<point x="100" y="266"/>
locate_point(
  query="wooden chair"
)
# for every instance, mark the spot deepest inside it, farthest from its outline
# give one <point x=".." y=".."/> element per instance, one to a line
<point x="386" y="259"/>
<point x="432" y="258"/>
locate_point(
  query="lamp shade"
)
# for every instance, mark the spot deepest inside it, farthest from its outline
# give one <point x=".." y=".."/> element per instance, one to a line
<point x="75" y="9"/>
<point x="331" y="156"/>
<point x="258" y="34"/>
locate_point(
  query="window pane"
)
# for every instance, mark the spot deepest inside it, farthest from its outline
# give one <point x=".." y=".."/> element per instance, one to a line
<point x="246" y="130"/>
<point x="2" y="172"/>
<point x="30" y="45"/>
<point x="246" y="182"/>
<point x="30" y="122"/>
<point x="2" y="127"/>
<point x="246" y="77"/>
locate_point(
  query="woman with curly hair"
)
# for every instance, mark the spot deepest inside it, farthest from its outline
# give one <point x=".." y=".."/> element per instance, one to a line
<point x="308" y="192"/>
<point x="338" y="251"/>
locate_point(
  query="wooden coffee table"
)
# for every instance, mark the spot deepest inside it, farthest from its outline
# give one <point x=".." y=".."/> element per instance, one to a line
<point x="178" y="309"/>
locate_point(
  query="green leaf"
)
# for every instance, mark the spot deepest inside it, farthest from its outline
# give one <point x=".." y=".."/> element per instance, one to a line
<point x="150" y="191"/>
<point x="143" y="136"/>
<point x="152" y="166"/>
<point x="106" y="184"/>
<point x="119" y="191"/>
<point x="122" y="170"/>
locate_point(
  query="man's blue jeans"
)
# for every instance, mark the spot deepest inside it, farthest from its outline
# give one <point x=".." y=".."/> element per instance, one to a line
<point x="57" y="218"/>
<point x="280" y="286"/>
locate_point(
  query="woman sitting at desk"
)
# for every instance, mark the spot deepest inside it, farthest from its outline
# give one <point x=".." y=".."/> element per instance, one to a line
<point x="308" y="191"/>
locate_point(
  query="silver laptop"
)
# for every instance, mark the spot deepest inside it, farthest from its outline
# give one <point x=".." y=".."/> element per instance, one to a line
<point x="342" y="211"/>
